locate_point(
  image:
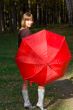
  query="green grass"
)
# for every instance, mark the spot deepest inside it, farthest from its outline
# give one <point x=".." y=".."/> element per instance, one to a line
<point x="10" y="79"/>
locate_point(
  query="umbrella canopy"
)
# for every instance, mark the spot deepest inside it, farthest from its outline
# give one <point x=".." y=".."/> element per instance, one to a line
<point x="43" y="57"/>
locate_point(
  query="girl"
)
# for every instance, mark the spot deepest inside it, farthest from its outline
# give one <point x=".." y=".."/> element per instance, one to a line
<point x="26" y="22"/>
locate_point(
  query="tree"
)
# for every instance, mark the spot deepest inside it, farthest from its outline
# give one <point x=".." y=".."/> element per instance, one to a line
<point x="2" y="15"/>
<point x="69" y="4"/>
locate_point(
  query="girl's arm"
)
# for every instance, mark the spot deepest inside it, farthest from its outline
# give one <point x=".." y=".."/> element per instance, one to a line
<point x="23" y="33"/>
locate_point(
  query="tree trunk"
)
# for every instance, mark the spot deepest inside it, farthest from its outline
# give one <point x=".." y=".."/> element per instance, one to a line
<point x="29" y="5"/>
<point x="14" y="16"/>
<point x="37" y="12"/>
<point x="0" y="16"/>
<point x="69" y="4"/>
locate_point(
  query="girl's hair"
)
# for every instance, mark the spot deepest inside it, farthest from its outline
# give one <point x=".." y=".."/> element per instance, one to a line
<point x="26" y="16"/>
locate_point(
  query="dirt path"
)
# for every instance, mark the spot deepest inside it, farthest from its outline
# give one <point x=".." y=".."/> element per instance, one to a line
<point x="63" y="95"/>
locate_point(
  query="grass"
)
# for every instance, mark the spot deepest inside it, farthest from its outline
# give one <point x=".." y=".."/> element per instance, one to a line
<point x="10" y="79"/>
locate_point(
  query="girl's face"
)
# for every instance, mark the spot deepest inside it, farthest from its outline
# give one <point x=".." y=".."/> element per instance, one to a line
<point x="28" y="23"/>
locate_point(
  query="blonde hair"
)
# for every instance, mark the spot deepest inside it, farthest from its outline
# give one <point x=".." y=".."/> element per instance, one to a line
<point x="26" y="16"/>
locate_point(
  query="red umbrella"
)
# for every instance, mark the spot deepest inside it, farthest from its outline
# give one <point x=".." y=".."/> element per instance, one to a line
<point x="43" y="57"/>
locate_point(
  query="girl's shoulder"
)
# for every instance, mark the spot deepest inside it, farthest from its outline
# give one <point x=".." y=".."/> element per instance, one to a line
<point x="24" y="32"/>
<point x="22" y="29"/>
